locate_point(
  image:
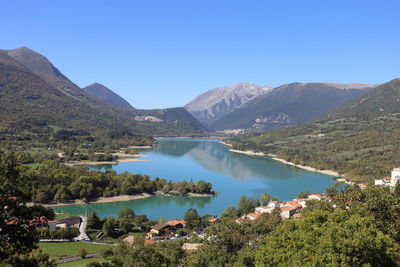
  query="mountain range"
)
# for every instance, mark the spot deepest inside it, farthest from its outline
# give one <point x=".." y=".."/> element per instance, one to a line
<point x="288" y="105"/>
<point x="214" y="104"/>
<point x="359" y="139"/>
<point x="37" y="99"/>
<point x="38" y="102"/>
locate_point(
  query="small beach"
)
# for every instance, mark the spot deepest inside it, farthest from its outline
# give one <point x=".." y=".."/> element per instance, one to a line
<point x="274" y="157"/>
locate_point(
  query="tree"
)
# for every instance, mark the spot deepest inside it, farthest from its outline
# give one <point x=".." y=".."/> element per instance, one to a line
<point x="192" y="219"/>
<point x="109" y="227"/>
<point x="18" y="223"/>
<point x="304" y="194"/>
<point x="247" y="205"/>
<point x="83" y="253"/>
<point x="230" y="212"/>
<point x="93" y="221"/>
<point x="324" y="238"/>
<point x="126" y="224"/>
<point x="126" y="213"/>
<point x="136" y="256"/>
<point x="62" y="194"/>
<point x="265" y="198"/>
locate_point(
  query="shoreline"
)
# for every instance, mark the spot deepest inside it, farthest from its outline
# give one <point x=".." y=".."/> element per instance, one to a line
<point x="274" y="157"/>
<point x="120" y="198"/>
<point x="129" y="158"/>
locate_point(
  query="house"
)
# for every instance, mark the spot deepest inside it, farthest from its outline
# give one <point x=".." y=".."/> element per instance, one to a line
<point x="191" y="246"/>
<point x="213" y="220"/>
<point x="252" y="216"/>
<point x="176" y="224"/>
<point x="390" y="181"/>
<point x="161" y="229"/>
<point x="273" y="204"/>
<point x="131" y="241"/>
<point x="301" y="201"/>
<point x="64" y="223"/>
<point x="248" y="217"/>
<point x="269" y="208"/>
<point x="264" y="209"/>
<point x="289" y="208"/>
<point x="315" y="197"/>
<point x="288" y="211"/>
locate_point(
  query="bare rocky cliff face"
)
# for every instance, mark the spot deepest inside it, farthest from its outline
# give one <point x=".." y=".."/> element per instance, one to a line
<point x="214" y="104"/>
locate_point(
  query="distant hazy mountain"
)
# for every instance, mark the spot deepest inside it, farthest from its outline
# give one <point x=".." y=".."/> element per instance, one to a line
<point x="102" y="92"/>
<point x="215" y="103"/>
<point x="289" y="104"/>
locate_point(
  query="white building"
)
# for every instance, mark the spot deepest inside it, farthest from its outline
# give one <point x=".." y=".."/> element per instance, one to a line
<point x="395" y="177"/>
<point x="390" y="181"/>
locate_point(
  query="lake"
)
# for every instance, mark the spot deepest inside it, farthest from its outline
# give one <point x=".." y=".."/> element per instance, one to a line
<point x="231" y="174"/>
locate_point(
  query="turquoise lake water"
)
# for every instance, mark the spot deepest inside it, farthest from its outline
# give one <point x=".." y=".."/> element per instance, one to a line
<point x="231" y="174"/>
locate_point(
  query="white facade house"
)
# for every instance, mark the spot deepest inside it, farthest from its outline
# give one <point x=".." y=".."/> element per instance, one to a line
<point x="390" y="181"/>
<point x="395" y="177"/>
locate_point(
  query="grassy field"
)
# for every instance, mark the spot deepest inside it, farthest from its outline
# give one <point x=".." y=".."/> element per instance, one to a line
<point x="71" y="248"/>
<point x="80" y="263"/>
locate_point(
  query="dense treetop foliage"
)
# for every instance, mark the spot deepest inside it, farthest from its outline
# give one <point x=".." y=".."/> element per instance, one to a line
<point x="57" y="182"/>
<point x="18" y="222"/>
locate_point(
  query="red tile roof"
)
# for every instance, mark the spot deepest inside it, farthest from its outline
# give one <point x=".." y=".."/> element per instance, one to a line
<point x="294" y="204"/>
<point x="213" y="219"/>
<point x="175" y="222"/>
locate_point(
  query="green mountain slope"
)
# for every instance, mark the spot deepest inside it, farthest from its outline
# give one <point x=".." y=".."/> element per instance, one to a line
<point x="34" y="109"/>
<point x="359" y="139"/>
<point x="384" y="100"/>
<point x="102" y="92"/>
<point x="287" y="105"/>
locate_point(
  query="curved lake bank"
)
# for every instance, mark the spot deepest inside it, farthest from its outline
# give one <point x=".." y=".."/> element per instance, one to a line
<point x="231" y="174"/>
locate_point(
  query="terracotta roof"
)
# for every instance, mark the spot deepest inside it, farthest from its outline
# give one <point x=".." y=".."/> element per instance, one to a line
<point x="315" y="195"/>
<point x="254" y="215"/>
<point x="35" y="221"/>
<point x="148" y="242"/>
<point x="387" y="178"/>
<point x="213" y="219"/>
<point x="175" y="222"/>
<point x="294" y="204"/>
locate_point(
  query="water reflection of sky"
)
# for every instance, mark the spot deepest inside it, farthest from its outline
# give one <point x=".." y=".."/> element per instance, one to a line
<point x="231" y="174"/>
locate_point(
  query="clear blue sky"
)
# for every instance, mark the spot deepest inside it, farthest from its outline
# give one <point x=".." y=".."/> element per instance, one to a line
<point x="163" y="53"/>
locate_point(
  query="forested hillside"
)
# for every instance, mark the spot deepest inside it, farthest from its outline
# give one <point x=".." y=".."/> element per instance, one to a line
<point x="106" y="94"/>
<point x="34" y="108"/>
<point x="359" y="139"/>
<point x="288" y="105"/>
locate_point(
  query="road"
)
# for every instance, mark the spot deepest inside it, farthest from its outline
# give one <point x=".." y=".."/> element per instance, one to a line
<point x="82" y="230"/>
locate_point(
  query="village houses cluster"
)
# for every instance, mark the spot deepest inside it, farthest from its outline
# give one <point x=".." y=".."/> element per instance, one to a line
<point x="288" y="209"/>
